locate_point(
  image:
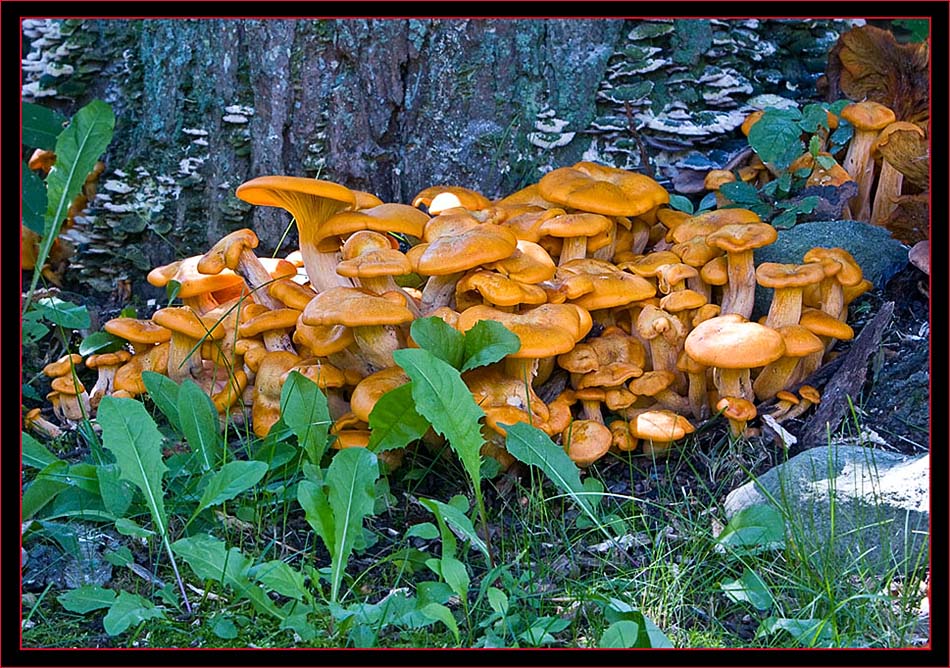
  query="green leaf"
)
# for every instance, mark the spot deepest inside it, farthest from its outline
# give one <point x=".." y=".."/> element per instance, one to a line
<point x="814" y="116"/>
<point x="807" y="632"/>
<point x="749" y="588"/>
<point x="680" y="203"/>
<point x="303" y="408"/>
<point x="535" y="448"/>
<point x="164" y="392"/>
<point x="78" y="147"/>
<point x="33" y="330"/>
<point x="441" y="613"/>
<point x="440" y="339"/>
<point x="825" y="161"/>
<point x="199" y="423"/>
<point x="233" y="478"/>
<point x="41" y="126"/>
<point x="45" y="487"/>
<point x="707" y="202"/>
<point x="34" y="200"/>
<point x="785" y="220"/>
<point x="312" y="497"/>
<point x="100" y="342"/>
<point x="209" y="558"/>
<point x="35" y="454"/>
<point x="120" y="557"/>
<point x="487" y="342"/>
<point x="740" y="192"/>
<point x="455" y="575"/>
<point x="620" y="635"/>
<point x="457" y="519"/>
<point x="129" y="432"/>
<point x="127" y="527"/>
<point x="776" y="137"/>
<point x="756" y="528"/>
<point x="116" y="493"/>
<point x="446" y="402"/>
<point x="127" y="610"/>
<point x="63" y="313"/>
<point x="394" y="422"/>
<point x="86" y="599"/>
<point x="351" y="479"/>
<point x="277" y="576"/>
<point x="423" y="530"/>
<point x="224" y="627"/>
<point x="498" y="600"/>
<point x="814" y="146"/>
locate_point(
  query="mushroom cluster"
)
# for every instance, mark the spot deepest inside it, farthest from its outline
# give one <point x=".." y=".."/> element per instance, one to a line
<point x="634" y="319"/>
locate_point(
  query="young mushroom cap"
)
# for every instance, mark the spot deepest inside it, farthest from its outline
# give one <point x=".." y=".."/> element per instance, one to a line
<point x="63" y="366"/>
<point x="738" y="411"/>
<point x="586" y="441"/>
<point x="545" y="331"/>
<point x="596" y="188"/>
<point x="658" y="429"/>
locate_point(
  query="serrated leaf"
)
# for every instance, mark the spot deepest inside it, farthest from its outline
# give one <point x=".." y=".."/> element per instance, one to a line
<point x="749" y="588"/>
<point x="680" y="203"/>
<point x="127" y="610"/>
<point x="34" y="200"/>
<point x="351" y="479"/>
<point x="35" y="454"/>
<point x="45" y="487"/>
<point x="232" y="479"/>
<point x="86" y="599"/>
<point x="63" y="313"/>
<point x="487" y="342"/>
<point x="41" y="126"/>
<point x="446" y="402"/>
<point x="535" y="448"/>
<point x="440" y="339"/>
<point x="100" y="342"/>
<point x="278" y="576"/>
<point x="164" y="392"/>
<point x="303" y="408"/>
<point x="78" y="147"/>
<point x="394" y="421"/>
<point x="756" y="528"/>
<point x="199" y="423"/>
<point x="129" y="432"/>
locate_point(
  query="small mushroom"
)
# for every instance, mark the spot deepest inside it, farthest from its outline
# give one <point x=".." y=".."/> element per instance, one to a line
<point x="586" y="441"/>
<point x="738" y="411"/>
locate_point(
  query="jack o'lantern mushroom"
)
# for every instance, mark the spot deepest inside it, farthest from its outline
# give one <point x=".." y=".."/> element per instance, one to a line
<point x="311" y="202"/>
<point x="106" y="364"/>
<point x="787" y="281"/>
<point x="586" y="441"/>
<point x="868" y="119"/>
<point x="657" y="430"/>
<point x="739" y="241"/>
<point x="738" y="411"/>
<point x="901" y="146"/>
<point x="783" y="372"/>
<point x="437" y="199"/>
<point x="188" y="330"/>
<point x="196" y="288"/>
<point x="35" y="422"/>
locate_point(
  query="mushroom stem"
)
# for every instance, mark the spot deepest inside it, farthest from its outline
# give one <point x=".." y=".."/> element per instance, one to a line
<point x="739" y="295"/>
<point x="698" y="401"/>
<point x="733" y="383"/>
<point x="382" y="284"/>
<point x="573" y="248"/>
<point x="786" y="307"/>
<point x="590" y="410"/>
<point x="860" y="166"/>
<point x="776" y="376"/>
<point x="438" y="292"/>
<point x="183" y="360"/>
<point x="321" y="267"/>
<point x="377" y="344"/>
<point x="889" y="184"/>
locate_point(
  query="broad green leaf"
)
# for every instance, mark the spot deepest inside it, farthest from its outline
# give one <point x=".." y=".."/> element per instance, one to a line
<point x="455" y="575"/>
<point x="457" y="519"/>
<point x="775" y="137"/>
<point x="35" y="454"/>
<point x="233" y="478"/>
<point x="199" y="423"/>
<point x="303" y="408"/>
<point x="63" y="313"/>
<point x="749" y="588"/>
<point x="808" y="632"/>
<point x="394" y="422"/>
<point x="86" y="599"/>
<point x="78" y="147"/>
<point x="84" y="476"/>
<point x="295" y="617"/>
<point x="127" y="527"/>
<point x="224" y="627"/>
<point x="41" y="126"/>
<point x="116" y="493"/>
<point x="739" y="192"/>
<point x="120" y="557"/>
<point x="34" y="200"/>
<point x="680" y="203"/>
<point x="487" y="342"/>
<point x="210" y="559"/>
<point x="351" y="479"/>
<point x="47" y="484"/>
<point x="446" y="402"/>
<point x="756" y="528"/>
<point x="100" y="342"/>
<point x="535" y="448"/>
<point x="441" y="613"/>
<point x="33" y="329"/>
<point x="129" y="432"/>
<point x="498" y="600"/>
<point x="277" y="576"/>
<point x="620" y="635"/>
<point x="440" y="339"/>
<point x="649" y="634"/>
<point x="312" y="497"/>
<point x="707" y="202"/>
<point x="423" y="530"/>
<point x="164" y="392"/>
<point x="129" y="609"/>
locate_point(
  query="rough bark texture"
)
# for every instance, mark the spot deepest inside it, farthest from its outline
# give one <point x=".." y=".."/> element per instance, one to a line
<point x="390" y="107"/>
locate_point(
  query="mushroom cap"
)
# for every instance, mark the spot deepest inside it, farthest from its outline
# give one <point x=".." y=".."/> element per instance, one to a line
<point x="668" y="275"/>
<point x="365" y="200"/>
<point x="226" y="253"/>
<point x="138" y="331"/>
<point x="823" y="324"/>
<point x="128" y="377"/>
<point x="529" y="195"/>
<point x="529" y="263"/>
<point x="737" y="408"/>
<point x="355" y="308"/>
<point x="800" y="341"/>
<point x="108" y="359"/>
<point x="368" y="391"/>
<point x="575" y="225"/>
<point x="596" y="188"/>
<point x="609" y="375"/>
<point x="622" y="438"/>
<point x="439" y="198"/>
<point x="850" y="272"/>
<point x="42" y="160"/>
<point x="544" y="331"/>
<point x="648" y="265"/>
<point x="732" y="342"/>
<point x="375" y="263"/>
<point x="610" y="286"/>
<point x="785" y="395"/>
<point x="399" y="218"/>
<point x="696" y="252"/>
<point x="779" y="275"/>
<point x="810" y="393"/>
<point x="707" y="222"/>
<point x="651" y="382"/>
<point x="67" y="385"/>
<point x="473" y="246"/>
<point x="183" y="320"/>
<point x="717" y="177"/>
<point x="322" y="340"/>
<point x="682" y="300"/>
<point x="63" y="366"/>
<point x="751" y="120"/>
<point x="496" y="289"/>
<point x="868" y="115"/>
<point x="320" y="372"/>
<point x="586" y="441"/>
<point x="661" y="426"/>
<point x="281" y="318"/>
<point x="291" y="293"/>
<point x="716" y="271"/>
<point x="736" y="238"/>
<point x="307" y="200"/>
<point x="192" y="281"/>
<point x="904" y="145"/>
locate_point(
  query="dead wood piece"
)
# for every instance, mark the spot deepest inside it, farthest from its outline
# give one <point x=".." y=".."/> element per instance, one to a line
<point x="846" y="382"/>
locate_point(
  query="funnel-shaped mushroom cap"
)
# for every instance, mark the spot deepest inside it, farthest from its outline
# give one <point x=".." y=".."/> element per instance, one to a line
<point x="472" y="246"/>
<point x="192" y="281"/>
<point x="549" y="329"/>
<point x="601" y="189"/>
<point x="400" y="218"/>
<point x="732" y="342"/>
<point x="354" y="308"/>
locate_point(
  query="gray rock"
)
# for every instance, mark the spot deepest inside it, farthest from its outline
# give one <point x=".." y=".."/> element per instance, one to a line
<point x="880" y="255"/>
<point x="881" y="504"/>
